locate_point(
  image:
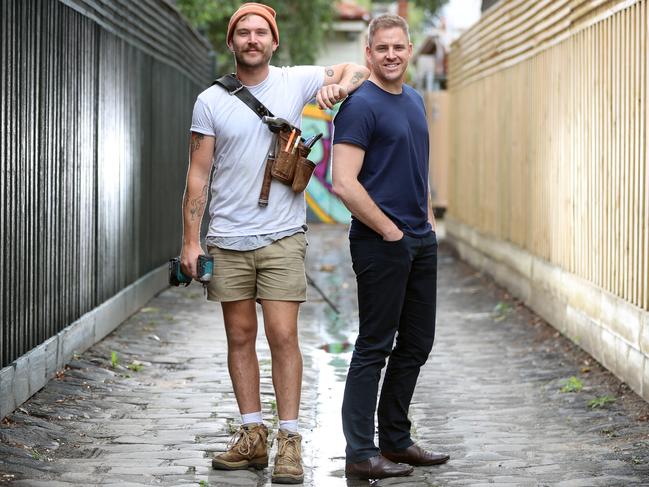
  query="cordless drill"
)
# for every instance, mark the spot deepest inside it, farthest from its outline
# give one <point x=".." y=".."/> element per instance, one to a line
<point x="204" y="268"/>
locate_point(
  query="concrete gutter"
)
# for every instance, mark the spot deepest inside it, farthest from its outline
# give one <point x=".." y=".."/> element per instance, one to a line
<point x="612" y="330"/>
<point x="29" y="373"/>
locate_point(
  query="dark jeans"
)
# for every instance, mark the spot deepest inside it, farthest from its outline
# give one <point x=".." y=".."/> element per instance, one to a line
<point x="397" y="287"/>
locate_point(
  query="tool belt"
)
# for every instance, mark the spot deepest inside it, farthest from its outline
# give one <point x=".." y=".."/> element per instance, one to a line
<point x="286" y="160"/>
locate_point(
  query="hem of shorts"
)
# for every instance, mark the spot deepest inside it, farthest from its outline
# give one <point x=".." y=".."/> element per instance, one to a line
<point x="300" y="299"/>
<point x="226" y="300"/>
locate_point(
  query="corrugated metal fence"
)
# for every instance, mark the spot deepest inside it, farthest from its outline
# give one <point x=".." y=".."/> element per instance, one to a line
<point x="96" y="106"/>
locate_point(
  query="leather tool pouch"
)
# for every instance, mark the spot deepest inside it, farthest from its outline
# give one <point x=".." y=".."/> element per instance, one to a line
<point x="291" y="165"/>
<point x="303" y="170"/>
<point x="288" y="163"/>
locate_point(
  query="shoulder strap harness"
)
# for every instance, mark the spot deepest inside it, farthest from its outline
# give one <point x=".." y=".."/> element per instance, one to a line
<point x="233" y="86"/>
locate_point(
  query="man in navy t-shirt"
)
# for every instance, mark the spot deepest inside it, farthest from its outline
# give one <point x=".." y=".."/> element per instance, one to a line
<point x="380" y="171"/>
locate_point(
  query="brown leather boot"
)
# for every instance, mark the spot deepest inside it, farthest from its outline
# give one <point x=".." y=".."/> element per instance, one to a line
<point x="288" y="460"/>
<point x="247" y="448"/>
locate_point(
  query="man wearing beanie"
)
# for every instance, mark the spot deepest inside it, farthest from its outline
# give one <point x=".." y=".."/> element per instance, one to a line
<point x="258" y="251"/>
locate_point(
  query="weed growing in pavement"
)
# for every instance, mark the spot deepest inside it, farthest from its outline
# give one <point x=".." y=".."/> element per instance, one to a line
<point x="202" y="483"/>
<point x="273" y="409"/>
<point x="135" y="366"/>
<point x="231" y="427"/>
<point x="501" y="310"/>
<point x="608" y="432"/>
<point x="114" y="359"/>
<point x="601" y="402"/>
<point x="36" y="455"/>
<point x="573" y="384"/>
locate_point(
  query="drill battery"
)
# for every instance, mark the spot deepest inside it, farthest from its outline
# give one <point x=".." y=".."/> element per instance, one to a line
<point x="204" y="268"/>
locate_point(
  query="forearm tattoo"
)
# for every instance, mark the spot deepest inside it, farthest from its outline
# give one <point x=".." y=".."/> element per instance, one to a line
<point x="329" y="71"/>
<point x="196" y="205"/>
<point x="196" y="141"/>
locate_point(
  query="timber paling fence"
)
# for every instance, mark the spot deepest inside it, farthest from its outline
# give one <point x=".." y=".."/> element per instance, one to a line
<point x="549" y="155"/>
<point x="96" y="108"/>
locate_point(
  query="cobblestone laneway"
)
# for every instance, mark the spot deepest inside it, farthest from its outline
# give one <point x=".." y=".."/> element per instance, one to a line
<point x="153" y="412"/>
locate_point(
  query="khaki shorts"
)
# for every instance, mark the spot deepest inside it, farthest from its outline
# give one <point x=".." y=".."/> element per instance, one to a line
<point x="275" y="272"/>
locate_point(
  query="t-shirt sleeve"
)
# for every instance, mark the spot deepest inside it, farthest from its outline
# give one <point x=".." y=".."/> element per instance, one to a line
<point x="354" y="123"/>
<point x="202" y="119"/>
<point x="308" y="79"/>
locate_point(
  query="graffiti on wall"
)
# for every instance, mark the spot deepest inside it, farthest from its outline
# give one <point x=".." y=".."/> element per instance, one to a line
<point x="322" y="204"/>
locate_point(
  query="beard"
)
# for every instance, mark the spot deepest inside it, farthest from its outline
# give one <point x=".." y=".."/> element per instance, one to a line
<point x="264" y="59"/>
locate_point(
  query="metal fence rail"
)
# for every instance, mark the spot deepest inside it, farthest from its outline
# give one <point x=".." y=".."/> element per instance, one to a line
<point x="96" y="105"/>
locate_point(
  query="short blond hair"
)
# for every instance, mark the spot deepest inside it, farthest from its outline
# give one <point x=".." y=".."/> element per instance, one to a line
<point x="386" y="21"/>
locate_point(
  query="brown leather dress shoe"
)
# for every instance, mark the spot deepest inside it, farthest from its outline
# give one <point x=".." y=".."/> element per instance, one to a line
<point x="377" y="467"/>
<point x="416" y="456"/>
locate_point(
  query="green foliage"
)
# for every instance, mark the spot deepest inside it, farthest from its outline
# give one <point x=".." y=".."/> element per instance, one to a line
<point x="431" y="6"/>
<point x="202" y="483"/>
<point x="135" y="366"/>
<point x="601" y="402"/>
<point x="608" y="432"/>
<point x="232" y="428"/>
<point x="573" y="384"/>
<point x="501" y="310"/>
<point x="36" y="455"/>
<point x="302" y="27"/>
<point x="114" y="359"/>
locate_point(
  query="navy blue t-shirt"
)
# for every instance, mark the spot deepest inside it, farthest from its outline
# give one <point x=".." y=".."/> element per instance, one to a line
<point x="392" y="130"/>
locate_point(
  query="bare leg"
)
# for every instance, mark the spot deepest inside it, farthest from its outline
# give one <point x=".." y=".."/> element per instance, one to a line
<point x="280" y="322"/>
<point x="241" y="329"/>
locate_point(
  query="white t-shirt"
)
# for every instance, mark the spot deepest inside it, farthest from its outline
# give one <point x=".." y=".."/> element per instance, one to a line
<point x="242" y="142"/>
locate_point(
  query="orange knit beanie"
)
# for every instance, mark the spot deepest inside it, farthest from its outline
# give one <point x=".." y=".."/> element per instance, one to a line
<point x="253" y="8"/>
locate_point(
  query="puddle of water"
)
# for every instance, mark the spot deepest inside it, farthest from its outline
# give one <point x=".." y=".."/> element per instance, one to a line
<point x="327" y="438"/>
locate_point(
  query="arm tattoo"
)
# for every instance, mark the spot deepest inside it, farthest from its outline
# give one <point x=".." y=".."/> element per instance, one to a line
<point x="196" y="205"/>
<point x="358" y="76"/>
<point x="196" y="141"/>
<point x="329" y="71"/>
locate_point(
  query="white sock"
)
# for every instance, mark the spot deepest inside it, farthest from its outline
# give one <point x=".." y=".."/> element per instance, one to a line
<point x="251" y="418"/>
<point x="289" y="425"/>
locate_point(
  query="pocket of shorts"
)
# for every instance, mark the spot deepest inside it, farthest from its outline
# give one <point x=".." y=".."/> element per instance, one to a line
<point x="295" y="242"/>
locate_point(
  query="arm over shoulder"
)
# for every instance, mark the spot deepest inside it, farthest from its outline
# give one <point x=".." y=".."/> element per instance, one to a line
<point x="306" y="80"/>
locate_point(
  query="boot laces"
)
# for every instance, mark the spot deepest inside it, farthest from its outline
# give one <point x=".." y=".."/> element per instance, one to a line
<point x="242" y="440"/>
<point x="288" y="449"/>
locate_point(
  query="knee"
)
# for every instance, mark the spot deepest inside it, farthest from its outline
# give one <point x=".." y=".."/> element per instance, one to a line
<point x="282" y="338"/>
<point x="241" y="338"/>
<point x="417" y="353"/>
<point x="365" y="355"/>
